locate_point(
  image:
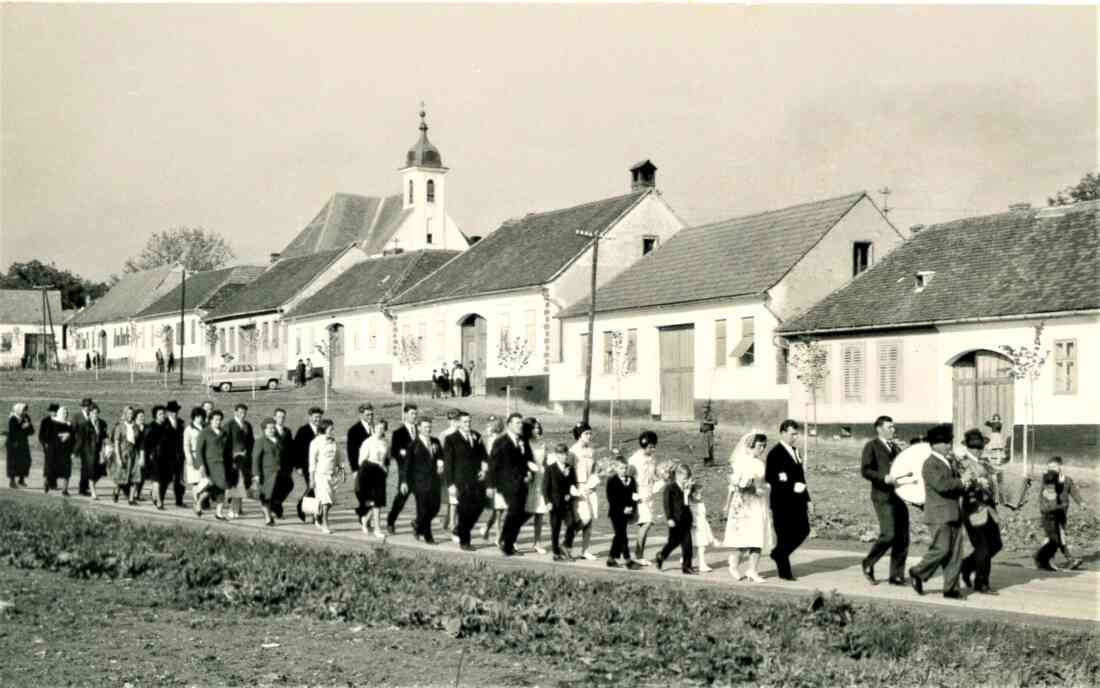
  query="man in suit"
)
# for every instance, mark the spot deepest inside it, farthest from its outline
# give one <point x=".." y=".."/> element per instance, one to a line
<point x="680" y="521"/>
<point x="421" y="473"/>
<point x="241" y="442"/>
<point x="283" y="433"/>
<point x="357" y="435"/>
<point x="171" y="454"/>
<point x="400" y="443"/>
<point x="509" y="474"/>
<point x="790" y="498"/>
<point x="302" y="439"/>
<point x="892" y="513"/>
<point x="942" y="490"/>
<point x="465" y="469"/>
<point x="81" y="429"/>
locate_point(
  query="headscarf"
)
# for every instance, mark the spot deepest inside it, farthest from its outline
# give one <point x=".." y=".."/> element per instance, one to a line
<point x="62" y="415"/>
<point x="18" y="409"/>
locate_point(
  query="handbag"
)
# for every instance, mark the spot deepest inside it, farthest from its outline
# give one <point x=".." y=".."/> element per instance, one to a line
<point x="310" y="505"/>
<point x="314" y="505"/>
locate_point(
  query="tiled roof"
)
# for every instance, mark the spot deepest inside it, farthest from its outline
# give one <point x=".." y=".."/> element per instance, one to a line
<point x="1015" y="263"/>
<point x="25" y="306"/>
<point x="524" y="252"/>
<point x="346" y="219"/>
<point x="277" y="285"/>
<point x="129" y="296"/>
<point x="740" y="256"/>
<point x="200" y="287"/>
<point x="373" y="282"/>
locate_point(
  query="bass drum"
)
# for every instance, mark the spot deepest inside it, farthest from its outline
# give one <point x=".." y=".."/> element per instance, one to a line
<point x="906" y="470"/>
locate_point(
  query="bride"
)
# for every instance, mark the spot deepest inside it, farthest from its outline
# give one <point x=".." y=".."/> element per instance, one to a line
<point x="748" y="519"/>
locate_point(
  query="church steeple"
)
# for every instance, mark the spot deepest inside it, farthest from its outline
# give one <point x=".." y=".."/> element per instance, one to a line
<point x="423" y="153"/>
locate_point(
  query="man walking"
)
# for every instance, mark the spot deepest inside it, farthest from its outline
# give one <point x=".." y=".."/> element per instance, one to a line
<point x="400" y="444"/>
<point x="421" y="473"/>
<point x="790" y="498"/>
<point x="465" y="468"/>
<point x="509" y="474"/>
<point x="943" y="489"/>
<point x="980" y="514"/>
<point x="358" y="434"/>
<point x="891" y="511"/>
<point x="172" y="452"/>
<point x="302" y="439"/>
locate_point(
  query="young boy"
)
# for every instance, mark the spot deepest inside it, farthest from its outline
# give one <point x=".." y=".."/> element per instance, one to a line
<point x="1054" y="500"/>
<point x="706" y="427"/>
<point x="559" y="488"/>
<point x="622" y="499"/>
<point x="678" y="513"/>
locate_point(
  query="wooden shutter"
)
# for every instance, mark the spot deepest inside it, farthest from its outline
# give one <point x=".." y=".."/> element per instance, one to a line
<point x="889" y="364"/>
<point x="719" y="343"/>
<point x="584" y="358"/>
<point x="852" y="359"/>
<point x="632" y="351"/>
<point x="1065" y="366"/>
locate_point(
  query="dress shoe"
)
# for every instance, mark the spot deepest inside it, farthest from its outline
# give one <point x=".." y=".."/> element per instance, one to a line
<point x="417" y="537"/>
<point x="690" y="572"/>
<point x="429" y="540"/>
<point x="868" y="573"/>
<point x="612" y="564"/>
<point x="787" y="576"/>
<point x="985" y="590"/>
<point x="967" y="578"/>
<point x="633" y="565"/>
<point x="467" y="548"/>
<point x="898" y="581"/>
<point x="953" y="595"/>
<point x="916" y="582"/>
<point x="660" y="562"/>
<point x="391" y="529"/>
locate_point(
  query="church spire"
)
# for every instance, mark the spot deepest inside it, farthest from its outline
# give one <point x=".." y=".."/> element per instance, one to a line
<point x="423" y="153"/>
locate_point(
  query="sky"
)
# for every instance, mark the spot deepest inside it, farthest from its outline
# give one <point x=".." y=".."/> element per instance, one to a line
<point x="118" y="121"/>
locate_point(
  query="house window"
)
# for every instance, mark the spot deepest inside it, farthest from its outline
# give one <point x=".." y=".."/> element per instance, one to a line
<point x="263" y="336"/>
<point x="782" y="361"/>
<point x="889" y="370"/>
<point x="1065" y="366"/>
<point x="233" y="344"/>
<point x="372" y="334"/>
<point x="428" y="230"/>
<point x="298" y="342"/>
<point x="422" y="341"/>
<point x="431" y="193"/>
<point x="861" y="257"/>
<point x="632" y="351"/>
<point x="852" y="359"/>
<point x="584" y="358"/>
<point x="6" y="340"/>
<point x="505" y="326"/>
<point x="178" y="338"/>
<point x="275" y="335"/>
<point x="720" y="343"/>
<point x="648" y="244"/>
<point x="221" y="340"/>
<point x="410" y="192"/>
<point x="608" y="353"/>
<point x="194" y="327"/>
<point x="529" y="328"/>
<point x="745" y="351"/>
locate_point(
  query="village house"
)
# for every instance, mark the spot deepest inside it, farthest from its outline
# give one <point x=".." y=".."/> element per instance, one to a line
<point x="700" y="312"/>
<point x="30" y="326"/>
<point x="105" y="325"/>
<point x="503" y="292"/>
<point x="348" y="319"/>
<point x="159" y="323"/>
<point x="919" y="336"/>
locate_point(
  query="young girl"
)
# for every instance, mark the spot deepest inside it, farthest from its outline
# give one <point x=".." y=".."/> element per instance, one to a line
<point x="370" y="484"/>
<point x="493" y="429"/>
<point x="587" y="504"/>
<point x="536" y="502"/>
<point x="326" y="467"/>
<point x="701" y="534"/>
<point x="748" y="517"/>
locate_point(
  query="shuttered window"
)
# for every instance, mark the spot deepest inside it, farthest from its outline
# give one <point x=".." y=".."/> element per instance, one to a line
<point x="632" y="351"/>
<point x="889" y="370"/>
<point x="1065" y="366"/>
<point x="719" y="343"/>
<point x="584" y="358"/>
<point x="782" y="356"/>
<point x="852" y="360"/>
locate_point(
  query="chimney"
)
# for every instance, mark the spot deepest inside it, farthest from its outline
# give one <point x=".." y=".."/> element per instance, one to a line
<point x="915" y="229"/>
<point x="275" y="258"/>
<point x="643" y="175"/>
<point x="1019" y="207"/>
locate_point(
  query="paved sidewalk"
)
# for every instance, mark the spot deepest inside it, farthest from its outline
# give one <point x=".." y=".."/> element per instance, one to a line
<point x="1025" y="595"/>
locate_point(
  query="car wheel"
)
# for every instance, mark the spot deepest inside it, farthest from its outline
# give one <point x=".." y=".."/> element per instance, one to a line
<point x="226" y="386"/>
<point x="273" y="385"/>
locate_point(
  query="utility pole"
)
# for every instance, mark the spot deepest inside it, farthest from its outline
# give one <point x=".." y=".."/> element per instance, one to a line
<point x="885" y="191"/>
<point x="183" y="300"/>
<point x="591" y="322"/>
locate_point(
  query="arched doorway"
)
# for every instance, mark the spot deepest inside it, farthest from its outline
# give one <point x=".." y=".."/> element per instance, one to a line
<point x="981" y="387"/>
<point x="475" y="334"/>
<point x="335" y="355"/>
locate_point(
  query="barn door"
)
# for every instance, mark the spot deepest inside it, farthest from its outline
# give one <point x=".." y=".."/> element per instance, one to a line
<point x="677" y="351"/>
<point x="982" y="389"/>
<point x="475" y="336"/>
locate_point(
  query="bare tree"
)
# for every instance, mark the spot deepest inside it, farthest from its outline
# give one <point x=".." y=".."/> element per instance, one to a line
<point x="194" y="247"/>
<point x="1027" y="364"/>
<point x="513" y="353"/>
<point x="408" y="353"/>
<point x="810" y="361"/>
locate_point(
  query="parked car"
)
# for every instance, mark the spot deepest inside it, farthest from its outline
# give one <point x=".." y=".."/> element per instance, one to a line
<point x="244" y="376"/>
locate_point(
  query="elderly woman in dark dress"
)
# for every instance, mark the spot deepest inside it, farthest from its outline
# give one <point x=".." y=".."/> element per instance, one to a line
<point x="18" y="445"/>
<point x="212" y="449"/>
<point x="272" y="464"/>
<point x="44" y="430"/>
<point x="60" y="438"/>
<point x="90" y="437"/>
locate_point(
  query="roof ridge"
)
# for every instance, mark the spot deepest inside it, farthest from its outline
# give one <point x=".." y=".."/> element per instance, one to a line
<point x="580" y="205"/>
<point x="737" y="218"/>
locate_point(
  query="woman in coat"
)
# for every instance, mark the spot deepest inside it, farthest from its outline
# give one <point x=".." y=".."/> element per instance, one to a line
<point x="60" y="438"/>
<point x="90" y="437"/>
<point x="212" y="449"/>
<point x="18" y="445"/>
<point x="325" y="469"/>
<point x="272" y="464"/>
<point x="124" y="440"/>
<point x="138" y="464"/>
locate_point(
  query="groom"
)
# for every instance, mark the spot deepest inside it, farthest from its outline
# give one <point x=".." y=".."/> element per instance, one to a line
<point x="892" y="513"/>
<point x="790" y="498"/>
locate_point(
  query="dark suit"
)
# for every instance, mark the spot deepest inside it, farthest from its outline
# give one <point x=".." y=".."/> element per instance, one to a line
<point x="170" y="460"/>
<point x="620" y="497"/>
<point x="302" y="439"/>
<point x="400" y="442"/>
<point x="272" y="463"/>
<point x="81" y="427"/>
<point x="420" y="472"/>
<point x="789" y="508"/>
<point x="462" y="465"/>
<point x="677" y="511"/>
<point x="556" y="486"/>
<point x="892" y="513"/>
<point x="357" y="435"/>
<point x="508" y="475"/>
<point x="88" y="444"/>
<point x="242" y="440"/>
<point x="942" y="490"/>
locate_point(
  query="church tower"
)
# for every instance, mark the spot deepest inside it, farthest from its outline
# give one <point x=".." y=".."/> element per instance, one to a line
<point x="424" y="191"/>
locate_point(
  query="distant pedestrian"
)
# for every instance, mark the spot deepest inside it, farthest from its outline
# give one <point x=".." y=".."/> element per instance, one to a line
<point x="87" y="361"/>
<point x="300" y="373"/>
<point x="20" y="429"/>
<point x="171" y="361"/>
<point x="160" y="361"/>
<point x="458" y="380"/>
<point x="437" y="386"/>
<point x="309" y="370"/>
<point x="707" y="427"/>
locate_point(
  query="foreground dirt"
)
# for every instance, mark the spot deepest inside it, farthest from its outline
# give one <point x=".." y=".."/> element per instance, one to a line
<point x="59" y="631"/>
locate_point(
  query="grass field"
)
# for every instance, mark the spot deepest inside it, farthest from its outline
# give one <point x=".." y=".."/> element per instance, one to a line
<point x="843" y="509"/>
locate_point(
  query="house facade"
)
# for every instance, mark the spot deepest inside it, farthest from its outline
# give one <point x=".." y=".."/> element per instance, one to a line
<point x="920" y="337"/>
<point x="106" y="326"/>
<point x="501" y="295"/>
<point x="30" y="328"/>
<point x="695" y="320"/>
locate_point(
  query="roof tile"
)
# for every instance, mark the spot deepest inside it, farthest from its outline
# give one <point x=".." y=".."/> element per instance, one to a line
<point x="277" y="285"/>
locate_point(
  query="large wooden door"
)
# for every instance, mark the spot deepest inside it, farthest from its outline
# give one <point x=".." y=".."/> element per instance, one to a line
<point x="677" y="346"/>
<point x="982" y="388"/>
<point x="336" y="355"/>
<point x="475" y="337"/>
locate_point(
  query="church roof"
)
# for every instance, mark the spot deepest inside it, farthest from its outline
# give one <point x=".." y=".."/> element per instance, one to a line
<point x="347" y="219"/>
<point x="526" y="252"/>
<point x="735" y="257"/>
<point x="1023" y="262"/>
